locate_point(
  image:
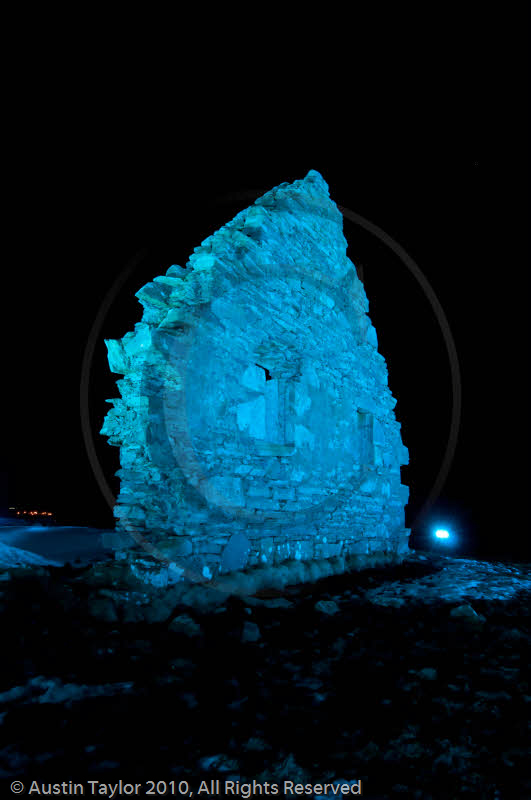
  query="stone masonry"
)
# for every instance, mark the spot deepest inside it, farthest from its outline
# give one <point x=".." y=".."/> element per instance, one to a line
<point x="255" y="423"/>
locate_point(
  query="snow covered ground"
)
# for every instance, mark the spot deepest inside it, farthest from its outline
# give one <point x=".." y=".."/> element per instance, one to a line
<point x="49" y="544"/>
<point x="15" y="557"/>
<point x="459" y="579"/>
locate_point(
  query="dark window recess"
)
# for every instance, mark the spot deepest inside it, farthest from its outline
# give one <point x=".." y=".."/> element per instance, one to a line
<point x="267" y="373"/>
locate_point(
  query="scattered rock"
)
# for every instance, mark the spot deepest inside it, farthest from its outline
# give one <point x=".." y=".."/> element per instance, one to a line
<point x="250" y="632"/>
<point x="274" y="602"/>
<point x="391" y="602"/>
<point x="186" y="625"/>
<point x="467" y="613"/>
<point x="513" y="635"/>
<point x="290" y="770"/>
<point x="369" y="752"/>
<point x="428" y="674"/>
<point x="255" y="744"/>
<point x="182" y="665"/>
<point x="310" y="683"/>
<point x="237" y="704"/>
<point x="52" y="690"/>
<point x="219" y="762"/>
<point x="190" y="699"/>
<point x="338" y="648"/>
<point x="327" y="607"/>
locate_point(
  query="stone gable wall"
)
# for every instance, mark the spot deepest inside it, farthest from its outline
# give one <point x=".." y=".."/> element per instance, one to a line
<point x="255" y="422"/>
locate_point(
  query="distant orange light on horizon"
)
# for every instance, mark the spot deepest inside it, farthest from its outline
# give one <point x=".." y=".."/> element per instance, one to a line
<point x="34" y="513"/>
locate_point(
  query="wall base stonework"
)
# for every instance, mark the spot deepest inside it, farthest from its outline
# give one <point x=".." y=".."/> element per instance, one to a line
<point x="183" y="560"/>
<point x="147" y="593"/>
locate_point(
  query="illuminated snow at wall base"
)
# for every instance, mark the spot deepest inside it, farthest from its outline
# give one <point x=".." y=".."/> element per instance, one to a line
<point x="255" y="421"/>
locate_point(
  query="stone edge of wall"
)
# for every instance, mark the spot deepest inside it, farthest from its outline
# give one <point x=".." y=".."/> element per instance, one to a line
<point x="138" y="601"/>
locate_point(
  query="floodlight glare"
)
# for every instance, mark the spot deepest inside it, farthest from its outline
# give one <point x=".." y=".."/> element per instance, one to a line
<point x="440" y="534"/>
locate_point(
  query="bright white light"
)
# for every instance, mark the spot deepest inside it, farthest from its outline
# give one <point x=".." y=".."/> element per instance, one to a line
<point x="442" y="534"/>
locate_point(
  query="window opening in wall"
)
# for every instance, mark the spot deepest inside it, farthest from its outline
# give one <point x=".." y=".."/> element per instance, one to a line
<point x="265" y="417"/>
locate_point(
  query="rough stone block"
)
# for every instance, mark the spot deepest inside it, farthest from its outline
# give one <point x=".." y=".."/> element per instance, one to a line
<point x="303" y="550"/>
<point x="259" y="490"/>
<point x="176" y="546"/>
<point x="283" y="493"/>
<point x="264" y="503"/>
<point x="236" y="553"/>
<point x="224" y="491"/>
<point x="357" y="547"/>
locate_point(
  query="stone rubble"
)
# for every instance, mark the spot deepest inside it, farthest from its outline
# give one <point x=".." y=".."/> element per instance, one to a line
<point x="413" y="700"/>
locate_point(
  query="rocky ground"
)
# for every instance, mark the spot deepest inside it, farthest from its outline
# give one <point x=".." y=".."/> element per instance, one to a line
<point x="413" y="680"/>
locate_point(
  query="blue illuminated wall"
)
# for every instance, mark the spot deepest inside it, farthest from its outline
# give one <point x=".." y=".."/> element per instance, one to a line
<point x="255" y="421"/>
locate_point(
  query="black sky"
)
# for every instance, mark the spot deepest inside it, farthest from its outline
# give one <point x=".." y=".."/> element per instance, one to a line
<point x="428" y="141"/>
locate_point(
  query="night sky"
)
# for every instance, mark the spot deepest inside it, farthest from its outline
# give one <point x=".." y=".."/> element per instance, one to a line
<point x="431" y="147"/>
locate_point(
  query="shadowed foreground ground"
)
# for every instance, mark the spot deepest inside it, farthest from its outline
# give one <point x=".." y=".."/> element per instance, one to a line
<point x="380" y="683"/>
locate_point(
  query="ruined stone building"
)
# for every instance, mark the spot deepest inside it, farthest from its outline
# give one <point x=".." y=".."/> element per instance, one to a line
<point x="255" y="422"/>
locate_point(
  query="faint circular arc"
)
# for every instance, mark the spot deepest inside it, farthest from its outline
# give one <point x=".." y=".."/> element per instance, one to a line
<point x="406" y="259"/>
